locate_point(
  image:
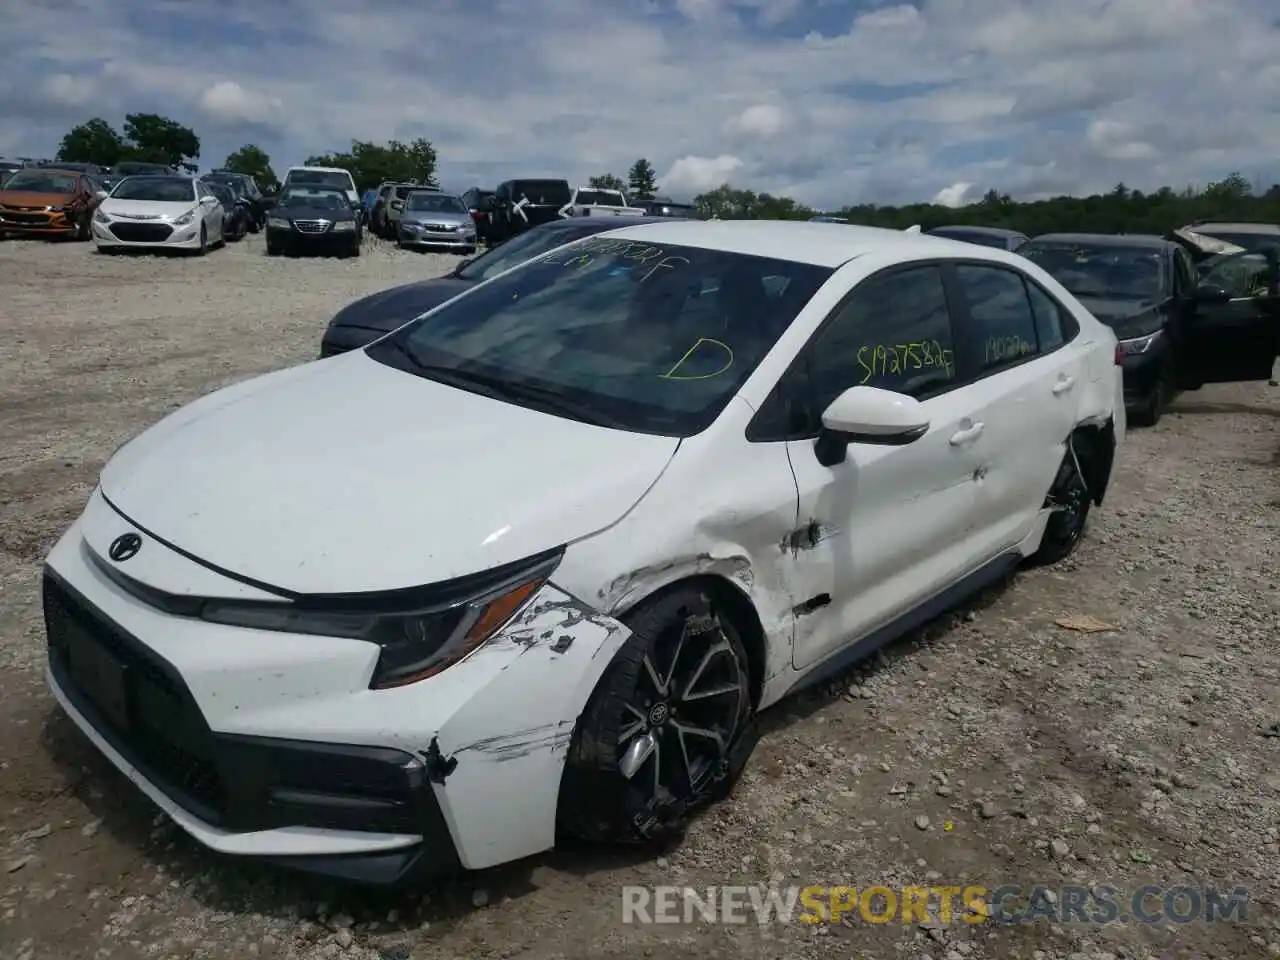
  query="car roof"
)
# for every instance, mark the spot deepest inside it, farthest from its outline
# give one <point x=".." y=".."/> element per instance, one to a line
<point x="66" y="171"/>
<point x="1145" y="241"/>
<point x="801" y="241"/>
<point x="983" y="231"/>
<point x="1208" y="226"/>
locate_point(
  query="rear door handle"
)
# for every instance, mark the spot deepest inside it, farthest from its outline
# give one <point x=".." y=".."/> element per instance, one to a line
<point x="965" y="436"/>
<point x="1063" y="385"/>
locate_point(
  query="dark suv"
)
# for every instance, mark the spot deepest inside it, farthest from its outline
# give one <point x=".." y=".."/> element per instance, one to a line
<point x="521" y="204"/>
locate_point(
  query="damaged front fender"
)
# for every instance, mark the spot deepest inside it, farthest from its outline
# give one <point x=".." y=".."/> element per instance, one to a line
<point x="511" y="735"/>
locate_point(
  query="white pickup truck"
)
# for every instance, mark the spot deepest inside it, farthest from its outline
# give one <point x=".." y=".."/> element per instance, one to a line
<point x="594" y="202"/>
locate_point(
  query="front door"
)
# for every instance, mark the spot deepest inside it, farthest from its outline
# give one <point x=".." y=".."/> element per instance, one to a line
<point x="881" y="531"/>
<point x="1236" y="337"/>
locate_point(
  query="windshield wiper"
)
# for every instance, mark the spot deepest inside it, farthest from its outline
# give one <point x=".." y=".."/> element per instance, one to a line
<point x="546" y="399"/>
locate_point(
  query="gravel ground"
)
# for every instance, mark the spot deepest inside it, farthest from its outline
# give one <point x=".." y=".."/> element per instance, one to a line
<point x="995" y="747"/>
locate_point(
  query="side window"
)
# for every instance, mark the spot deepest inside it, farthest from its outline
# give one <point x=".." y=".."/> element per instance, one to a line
<point x="1053" y="325"/>
<point x="1186" y="273"/>
<point x="893" y="332"/>
<point x="1003" y="321"/>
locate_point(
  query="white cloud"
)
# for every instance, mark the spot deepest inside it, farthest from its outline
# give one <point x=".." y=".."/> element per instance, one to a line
<point x="228" y="102"/>
<point x="956" y="195"/>
<point x="832" y="103"/>
<point x="759" y="120"/>
<point x="697" y="174"/>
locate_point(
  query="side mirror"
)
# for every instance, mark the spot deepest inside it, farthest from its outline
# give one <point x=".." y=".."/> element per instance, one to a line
<point x="1210" y="293"/>
<point x="868" y="415"/>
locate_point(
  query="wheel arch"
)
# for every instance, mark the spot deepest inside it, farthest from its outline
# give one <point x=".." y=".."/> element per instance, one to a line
<point x="733" y="597"/>
<point x="1094" y="443"/>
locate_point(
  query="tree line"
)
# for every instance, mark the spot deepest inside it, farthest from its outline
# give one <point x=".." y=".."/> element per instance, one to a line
<point x="158" y="139"/>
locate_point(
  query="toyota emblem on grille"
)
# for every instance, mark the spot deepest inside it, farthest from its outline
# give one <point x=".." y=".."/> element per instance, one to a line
<point x="124" y="547"/>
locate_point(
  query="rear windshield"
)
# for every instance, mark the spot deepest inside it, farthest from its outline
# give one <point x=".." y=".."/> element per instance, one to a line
<point x="601" y="198"/>
<point x="542" y="192"/>
<point x="127" y="168"/>
<point x="400" y="192"/>
<point x="321" y="178"/>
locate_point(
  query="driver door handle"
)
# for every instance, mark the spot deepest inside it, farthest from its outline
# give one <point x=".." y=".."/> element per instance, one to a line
<point x="1063" y="385"/>
<point x="967" y="435"/>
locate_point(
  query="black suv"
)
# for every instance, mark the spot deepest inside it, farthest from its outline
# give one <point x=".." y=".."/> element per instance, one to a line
<point x="243" y="186"/>
<point x="521" y="204"/>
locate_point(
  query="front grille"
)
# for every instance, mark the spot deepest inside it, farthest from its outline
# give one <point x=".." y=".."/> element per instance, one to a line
<point x="142" y="232"/>
<point x="441" y="227"/>
<point x="135" y="700"/>
<point x="311" y="226"/>
<point x="27" y="219"/>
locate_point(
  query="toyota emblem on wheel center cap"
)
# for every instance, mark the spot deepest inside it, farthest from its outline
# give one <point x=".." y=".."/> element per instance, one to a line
<point x="124" y="547"/>
<point x="658" y="714"/>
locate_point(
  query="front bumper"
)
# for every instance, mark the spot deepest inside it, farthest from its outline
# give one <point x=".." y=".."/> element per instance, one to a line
<point x="329" y="240"/>
<point x="464" y="239"/>
<point x="145" y="234"/>
<point x="36" y="223"/>
<point x="272" y="745"/>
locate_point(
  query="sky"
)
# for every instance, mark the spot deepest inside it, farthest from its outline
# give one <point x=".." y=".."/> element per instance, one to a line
<point x="832" y="102"/>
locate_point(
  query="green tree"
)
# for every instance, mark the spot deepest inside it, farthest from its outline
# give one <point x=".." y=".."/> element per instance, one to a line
<point x="156" y="139"/>
<point x="94" y="141"/>
<point x="607" y="181"/>
<point x="253" y="160"/>
<point x="642" y="180"/>
<point x="371" y="164"/>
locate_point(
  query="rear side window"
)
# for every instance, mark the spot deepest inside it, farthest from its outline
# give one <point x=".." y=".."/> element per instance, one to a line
<point x="1003" y="319"/>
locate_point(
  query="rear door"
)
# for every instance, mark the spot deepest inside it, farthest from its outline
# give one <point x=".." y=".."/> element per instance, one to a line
<point x="1232" y="328"/>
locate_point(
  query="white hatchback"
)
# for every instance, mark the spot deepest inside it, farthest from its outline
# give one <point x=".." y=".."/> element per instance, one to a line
<point x="535" y="561"/>
<point x="159" y="211"/>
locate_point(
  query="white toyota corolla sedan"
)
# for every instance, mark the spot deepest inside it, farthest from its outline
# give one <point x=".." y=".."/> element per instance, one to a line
<point x="158" y="211"/>
<point x="534" y="562"/>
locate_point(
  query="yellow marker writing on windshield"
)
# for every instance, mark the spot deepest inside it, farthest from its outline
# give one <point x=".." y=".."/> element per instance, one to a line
<point x="671" y="374"/>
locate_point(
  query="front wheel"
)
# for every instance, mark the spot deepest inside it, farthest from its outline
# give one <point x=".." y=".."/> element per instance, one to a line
<point x="84" y="231"/>
<point x="204" y="241"/>
<point x="667" y="730"/>
<point x="274" y="248"/>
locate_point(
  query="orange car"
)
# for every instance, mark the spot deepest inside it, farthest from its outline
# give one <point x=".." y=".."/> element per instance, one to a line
<point x="46" y="201"/>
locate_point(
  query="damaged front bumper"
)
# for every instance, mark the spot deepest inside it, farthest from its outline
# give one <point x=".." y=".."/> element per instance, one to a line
<point x="273" y="745"/>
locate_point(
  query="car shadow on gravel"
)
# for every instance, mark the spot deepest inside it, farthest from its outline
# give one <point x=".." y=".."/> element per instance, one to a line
<point x="1205" y="407"/>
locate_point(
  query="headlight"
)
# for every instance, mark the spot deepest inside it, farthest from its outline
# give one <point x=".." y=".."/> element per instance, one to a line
<point x="1139" y="345"/>
<point x="278" y="223"/>
<point x="418" y="641"/>
<point x="57" y="209"/>
<point x="186" y="218"/>
<point x="344" y="226"/>
<point x="101" y="216"/>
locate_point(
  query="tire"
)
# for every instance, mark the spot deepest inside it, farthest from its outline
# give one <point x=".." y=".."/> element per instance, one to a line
<point x="274" y="248"/>
<point x="1065" y="529"/>
<point x="201" y="250"/>
<point x="355" y="250"/>
<point x="1151" y="411"/>
<point x="84" y="231"/>
<point x="468" y="251"/>
<point x="609" y="792"/>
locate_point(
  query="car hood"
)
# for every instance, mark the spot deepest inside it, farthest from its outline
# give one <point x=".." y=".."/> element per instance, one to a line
<point x="1128" y="318"/>
<point x="1201" y="246"/>
<point x="25" y="198"/>
<point x="389" y="309"/>
<point x="312" y="213"/>
<point x="346" y="475"/>
<point x="147" y="209"/>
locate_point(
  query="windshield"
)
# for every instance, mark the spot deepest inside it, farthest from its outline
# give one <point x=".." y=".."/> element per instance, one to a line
<point x="1253" y="242"/>
<point x="972" y="236"/>
<point x="40" y="181"/>
<point x="601" y="198"/>
<point x="526" y="246"/>
<point x="162" y="189"/>
<point x="639" y="337"/>
<point x="324" y="198"/>
<point x="324" y="178"/>
<point x="234" y="184"/>
<point x="554" y="193"/>
<point x="434" y="203"/>
<point x="1102" y="271"/>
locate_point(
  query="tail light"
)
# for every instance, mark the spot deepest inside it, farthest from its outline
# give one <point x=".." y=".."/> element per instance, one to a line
<point x="1119" y="355"/>
<point x="475" y="215"/>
